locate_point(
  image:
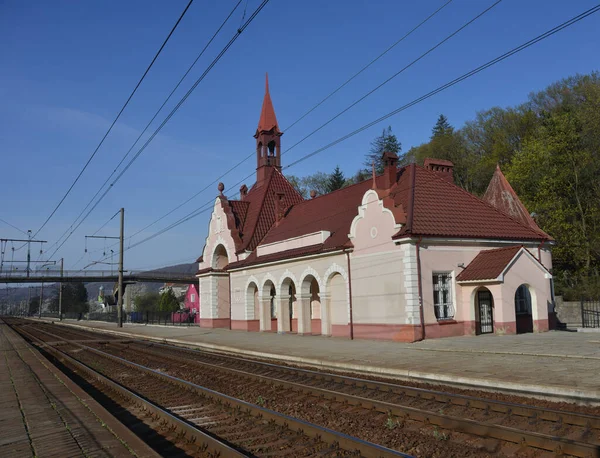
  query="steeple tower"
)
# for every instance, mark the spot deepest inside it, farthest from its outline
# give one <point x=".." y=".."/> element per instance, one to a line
<point x="268" y="138"/>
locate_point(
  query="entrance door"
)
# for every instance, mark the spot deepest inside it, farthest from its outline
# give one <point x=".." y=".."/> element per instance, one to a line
<point x="486" y="317"/>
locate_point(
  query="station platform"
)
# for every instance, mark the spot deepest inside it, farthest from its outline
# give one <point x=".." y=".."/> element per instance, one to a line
<point x="44" y="414"/>
<point x="554" y="365"/>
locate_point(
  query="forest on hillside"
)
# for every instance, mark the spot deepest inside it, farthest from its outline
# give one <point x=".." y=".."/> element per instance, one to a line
<point x="549" y="149"/>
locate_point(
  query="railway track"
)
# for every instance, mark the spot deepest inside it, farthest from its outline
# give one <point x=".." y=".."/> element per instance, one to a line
<point x="201" y="415"/>
<point x="557" y="431"/>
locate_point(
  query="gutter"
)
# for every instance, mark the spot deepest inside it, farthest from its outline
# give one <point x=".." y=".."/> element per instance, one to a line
<point x="350" y="296"/>
<point x="420" y="286"/>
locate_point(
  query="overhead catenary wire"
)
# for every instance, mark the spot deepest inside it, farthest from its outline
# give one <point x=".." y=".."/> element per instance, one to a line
<point x="151" y="120"/>
<point x="345" y="83"/>
<point x="402" y="70"/>
<point x="429" y="94"/>
<point x="365" y="67"/>
<point x="13" y="226"/>
<point x="170" y="115"/>
<point x="116" y="119"/>
<point x="350" y="106"/>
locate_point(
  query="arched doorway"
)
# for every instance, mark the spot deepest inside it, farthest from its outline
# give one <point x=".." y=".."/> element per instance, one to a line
<point x="484" y="311"/>
<point x="252" y="305"/>
<point x="309" y="318"/>
<point x="335" y="320"/>
<point x="523" y="309"/>
<point x="221" y="310"/>
<point x="287" y="318"/>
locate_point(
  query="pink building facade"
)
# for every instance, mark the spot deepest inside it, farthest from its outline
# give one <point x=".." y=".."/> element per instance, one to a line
<point x="405" y="255"/>
<point x="192" y="300"/>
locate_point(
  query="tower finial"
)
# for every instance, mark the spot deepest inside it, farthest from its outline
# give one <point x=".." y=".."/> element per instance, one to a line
<point x="267" y="82"/>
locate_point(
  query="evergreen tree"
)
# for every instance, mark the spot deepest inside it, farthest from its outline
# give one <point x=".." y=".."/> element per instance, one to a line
<point x="34" y="305"/>
<point x="442" y="127"/>
<point x="386" y="142"/>
<point x="168" y="301"/>
<point x="336" y="180"/>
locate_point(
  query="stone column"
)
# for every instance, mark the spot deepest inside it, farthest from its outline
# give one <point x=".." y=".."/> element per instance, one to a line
<point x="304" y="317"/>
<point x="265" y="313"/>
<point x="283" y="313"/>
<point x="325" y="314"/>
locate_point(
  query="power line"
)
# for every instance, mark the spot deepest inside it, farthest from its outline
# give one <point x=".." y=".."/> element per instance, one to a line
<point x="461" y="78"/>
<point x="299" y="119"/>
<point x="104" y="225"/>
<point x="151" y="121"/>
<point x="14" y="227"/>
<point x="116" y="119"/>
<point x="335" y="91"/>
<point x="170" y="115"/>
<point x="449" y="84"/>
<point x="406" y="67"/>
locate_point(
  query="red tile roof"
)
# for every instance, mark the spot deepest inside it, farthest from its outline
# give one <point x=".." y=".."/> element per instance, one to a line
<point x="420" y="199"/>
<point x="488" y="264"/>
<point x="267" y="120"/>
<point x="255" y="215"/>
<point x="501" y="195"/>
<point x="439" y="208"/>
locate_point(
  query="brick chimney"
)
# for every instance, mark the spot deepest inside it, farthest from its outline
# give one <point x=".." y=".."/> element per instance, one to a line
<point x="440" y="167"/>
<point x="243" y="191"/>
<point x="390" y="162"/>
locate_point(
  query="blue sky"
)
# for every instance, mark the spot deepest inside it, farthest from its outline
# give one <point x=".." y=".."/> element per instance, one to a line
<point x="67" y="68"/>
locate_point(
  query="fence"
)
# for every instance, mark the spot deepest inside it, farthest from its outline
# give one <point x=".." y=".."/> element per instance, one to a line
<point x="590" y="313"/>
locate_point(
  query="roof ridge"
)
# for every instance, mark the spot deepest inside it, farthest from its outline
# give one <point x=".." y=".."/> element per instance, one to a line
<point x="478" y="199"/>
<point x="346" y="187"/>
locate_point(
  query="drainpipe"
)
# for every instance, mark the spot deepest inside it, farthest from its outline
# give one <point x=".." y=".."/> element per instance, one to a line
<point x="350" y="295"/>
<point x="230" y="317"/>
<point x="420" y="286"/>
<point x="540" y="246"/>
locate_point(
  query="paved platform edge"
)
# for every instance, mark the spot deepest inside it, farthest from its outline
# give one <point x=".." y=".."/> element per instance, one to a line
<point x="550" y="392"/>
<point x="121" y="433"/>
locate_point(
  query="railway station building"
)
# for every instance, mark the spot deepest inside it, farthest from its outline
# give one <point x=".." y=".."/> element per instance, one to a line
<point x="404" y="255"/>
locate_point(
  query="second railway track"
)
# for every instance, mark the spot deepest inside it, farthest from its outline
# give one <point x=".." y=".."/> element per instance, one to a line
<point x="241" y="428"/>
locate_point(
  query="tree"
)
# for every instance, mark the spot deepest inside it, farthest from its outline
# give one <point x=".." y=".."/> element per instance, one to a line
<point x="34" y="305"/>
<point x="336" y="180"/>
<point x="442" y="128"/>
<point x="147" y="302"/>
<point x="74" y="298"/>
<point x="386" y="142"/>
<point x="318" y="181"/>
<point x="168" y="301"/>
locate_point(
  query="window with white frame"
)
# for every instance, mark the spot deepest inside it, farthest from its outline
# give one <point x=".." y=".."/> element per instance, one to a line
<point x="192" y="297"/>
<point x="442" y="295"/>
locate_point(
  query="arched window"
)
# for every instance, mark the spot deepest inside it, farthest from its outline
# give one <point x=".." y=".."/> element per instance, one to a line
<point x="271" y="147"/>
<point x="273" y="309"/>
<point x="523" y="301"/>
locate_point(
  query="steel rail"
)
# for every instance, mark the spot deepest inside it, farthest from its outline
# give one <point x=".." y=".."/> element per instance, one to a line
<point x="514" y="435"/>
<point x="194" y="434"/>
<point x="366" y="449"/>
<point x="532" y="412"/>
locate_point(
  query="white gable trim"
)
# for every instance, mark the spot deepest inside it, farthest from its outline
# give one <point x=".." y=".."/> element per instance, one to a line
<point x="369" y="197"/>
<point x="500" y="278"/>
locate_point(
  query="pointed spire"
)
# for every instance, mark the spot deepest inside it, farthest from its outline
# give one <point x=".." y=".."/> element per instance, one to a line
<point x="501" y="195"/>
<point x="267" y="120"/>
